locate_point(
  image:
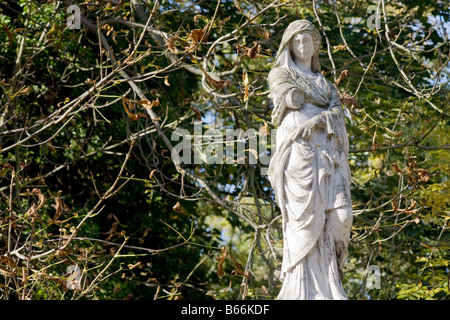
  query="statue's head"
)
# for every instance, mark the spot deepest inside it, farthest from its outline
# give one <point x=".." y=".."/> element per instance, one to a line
<point x="300" y="31"/>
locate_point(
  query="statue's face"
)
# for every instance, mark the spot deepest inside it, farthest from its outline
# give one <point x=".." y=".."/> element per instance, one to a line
<point x="302" y="46"/>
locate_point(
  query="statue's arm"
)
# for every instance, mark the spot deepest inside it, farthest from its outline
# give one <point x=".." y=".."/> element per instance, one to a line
<point x="284" y="93"/>
<point x="335" y="101"/>
<point x="294" y="99"/>
<point x="334" y="110"/>
<point x="284" y="89"/>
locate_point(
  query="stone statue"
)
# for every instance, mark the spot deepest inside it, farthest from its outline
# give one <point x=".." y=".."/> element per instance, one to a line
<point x="309" y="171"/>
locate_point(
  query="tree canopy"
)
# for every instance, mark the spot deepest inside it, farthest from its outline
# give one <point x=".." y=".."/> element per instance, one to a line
<point x="135" y="138"/>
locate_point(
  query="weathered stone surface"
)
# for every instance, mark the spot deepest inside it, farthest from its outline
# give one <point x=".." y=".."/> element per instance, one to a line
<point x="309" y="171"/>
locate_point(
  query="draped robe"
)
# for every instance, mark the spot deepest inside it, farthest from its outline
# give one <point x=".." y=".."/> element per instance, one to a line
<point x="310" y="176"/>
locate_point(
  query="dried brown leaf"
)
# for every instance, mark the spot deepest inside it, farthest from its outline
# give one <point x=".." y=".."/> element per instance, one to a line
<point x="197" y="113"/>
<point x="342" y="76"/>
<point x="411" y="207"/>
<point x="198" y="16"/>
<point x="264" y="290"/>
<point x="166" y="81"/>
<point x="177" y="208"/>
<point x="41" y="197"/>
<point x="237" y="265"/>
<point x="196" y="37"/>
<point x="24" y="90"/>
<point x="218" y="84"/>
<point x="60" y="207"/>
<point x="348" y="100"/>
<point x="5" y="272"/>
<point x="245" y="82"/>
<point x="149" y="104"/>
<point x="8" y="261"/>
<point x="264" y="130"/>
<point x="24" y="276"/>
<point x="8" y="33"/>
<point x="396" y="168"/>
<point x="137" y="264"/>
<point x="221" y="259"/>
<point x="395" y="205"/>
<point x="151" y="175"/>
<point x="264" y="34"/>
<point x="146" y="231"/>
<point x="141" y="115"/>
<point x="236" y="3"/>
<point x="113" y="230"/>
<point x="252" y="52"/>
<point x="128" y="106"/>
<point x="171" y="44"/>
<point x="340" y="47"/>
<point x="164" y="153"/>
<point x="423" y="175"/>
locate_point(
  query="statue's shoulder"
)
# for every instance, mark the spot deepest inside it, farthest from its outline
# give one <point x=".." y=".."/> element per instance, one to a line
<point x="279" y="73"/>
<point x="333" y="87"/>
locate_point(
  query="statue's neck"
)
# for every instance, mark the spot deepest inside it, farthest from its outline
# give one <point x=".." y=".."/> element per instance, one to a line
<point x="304" y="65"/>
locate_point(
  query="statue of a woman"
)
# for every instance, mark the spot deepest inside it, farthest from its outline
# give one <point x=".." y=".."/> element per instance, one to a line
<point x="309" y="171"/>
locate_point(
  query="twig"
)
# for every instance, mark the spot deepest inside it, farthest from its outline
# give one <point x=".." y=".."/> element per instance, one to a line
<point x="330" y="56"/>
<point x="103" y="271"/>
<point x="412" y="88"/>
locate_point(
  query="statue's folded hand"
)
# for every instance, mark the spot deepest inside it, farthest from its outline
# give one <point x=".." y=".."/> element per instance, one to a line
<point x="309" y="126"/>
<point x="336" y="117"/>
<point x="318" y="121"/>
<point x="304" y="132"/>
